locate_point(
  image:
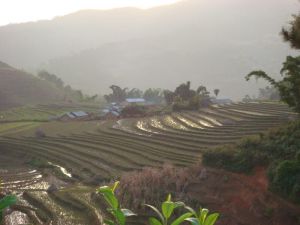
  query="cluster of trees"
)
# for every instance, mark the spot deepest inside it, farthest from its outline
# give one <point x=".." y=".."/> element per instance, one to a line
<point x="185" y="98"/>
<point x="120" y="94"/>
<point x="277" y="150"/>
<point x="70" y="93"/>
<point x="269" y="93"/>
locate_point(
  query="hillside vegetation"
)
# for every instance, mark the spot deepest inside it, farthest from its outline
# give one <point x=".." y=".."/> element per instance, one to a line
<point x="278" y="151"/>
<point x="19" y="88"/>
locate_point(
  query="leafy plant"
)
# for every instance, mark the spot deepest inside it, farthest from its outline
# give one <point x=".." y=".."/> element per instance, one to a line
<point x="6" y="202"/>
<point x="167" y="209"/>
<point x="203" y="218"/>
<point x="165" y="216"/>
<point x="119" y="214"/>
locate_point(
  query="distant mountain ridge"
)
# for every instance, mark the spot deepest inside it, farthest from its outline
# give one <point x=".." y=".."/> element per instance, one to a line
<point x="19" y="88"/>
<point x="214" y="43"/>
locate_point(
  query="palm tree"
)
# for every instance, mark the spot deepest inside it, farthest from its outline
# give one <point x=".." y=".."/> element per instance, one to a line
<point x="216" y="92"/>
<point x="289" y="86"/>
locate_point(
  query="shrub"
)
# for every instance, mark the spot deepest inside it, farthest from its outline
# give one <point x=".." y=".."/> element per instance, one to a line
<point x="39" y="133"/>
<point x="278" y="150"/>
<point x="285" y="179"/>
<point x="118" y="214"/>
<point x="134" y="110"/>
<point x="164" y="217"/>
<point x="220" y="157"/>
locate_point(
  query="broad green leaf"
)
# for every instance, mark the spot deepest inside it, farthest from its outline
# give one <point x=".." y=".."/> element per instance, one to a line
<point x="7" y="201"/>
<point x="116" y="184"/>
<point x="157" y="212"/>
<point x="167" y="209"/>
<point x="109" y="196"/>
<point x="120" y="216"/>
<point x="109" y="222"/>
<point x="154" y="221"/>
<point x="178" y="204"/>
<point x="193" y="221"/>
<point x="211" y="219"/>
<point x="203" y="215"/>
<point x="180" y="219"/>
<point x="128" y="212"/>
<point x="191" y="210"/>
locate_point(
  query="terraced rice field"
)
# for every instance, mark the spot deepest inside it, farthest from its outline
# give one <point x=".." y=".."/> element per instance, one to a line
<point x="94" y="152"/>
<point x="43" y="112"/>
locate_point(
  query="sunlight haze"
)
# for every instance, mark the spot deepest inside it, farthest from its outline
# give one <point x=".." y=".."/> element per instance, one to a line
<point x="33" y="10"/>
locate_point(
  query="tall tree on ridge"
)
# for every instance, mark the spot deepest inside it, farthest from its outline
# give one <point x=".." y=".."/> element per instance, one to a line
<point x="289" y="86"/>
<point x="216" y="92"/>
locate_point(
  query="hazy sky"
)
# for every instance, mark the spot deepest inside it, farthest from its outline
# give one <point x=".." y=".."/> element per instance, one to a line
<point x="18" y="11"/>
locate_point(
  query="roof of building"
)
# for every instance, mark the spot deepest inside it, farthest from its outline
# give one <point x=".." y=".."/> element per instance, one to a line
<point x="115" y="113"/>
<point x="70" y="115"/>
<point x="79" y="114"/>
<point x="108" y="111"/>
<point x="135" y="100"/>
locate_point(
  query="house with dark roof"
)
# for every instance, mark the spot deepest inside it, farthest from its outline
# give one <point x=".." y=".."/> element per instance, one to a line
<point x="133" y="101"/>
<point x="108" y="114"/>
<point x="78" y="115"/>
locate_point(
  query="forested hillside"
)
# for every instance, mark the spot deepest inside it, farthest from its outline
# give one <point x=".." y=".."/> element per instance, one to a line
<point x="19" y="88"/>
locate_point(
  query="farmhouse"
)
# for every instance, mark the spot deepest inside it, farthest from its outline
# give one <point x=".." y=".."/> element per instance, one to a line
<point x="133" y="101"/>
<point x="79" y="115"/>
<point x="110" y="114"/>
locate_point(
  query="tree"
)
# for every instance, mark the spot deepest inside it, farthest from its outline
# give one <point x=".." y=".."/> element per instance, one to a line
<point x="269" y="93"/>
<point x="292" y="34"/>
<point x="202" y="91"/>
<point x="134" y="93"/>
<point x="216" y="92"/>
<point x="169" y="96"/>
<point x="77" y="94"/>
<point x="289" y="86"/>
<point x="44" y="75"/>
<point x="154" y="95"/>
<point x="184" y="91"/>
<point x="118" y="94"/>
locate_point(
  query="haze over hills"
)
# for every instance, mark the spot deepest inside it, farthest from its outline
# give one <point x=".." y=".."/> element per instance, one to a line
<point x="18" y="88"/>
<point x="160" y="47"/>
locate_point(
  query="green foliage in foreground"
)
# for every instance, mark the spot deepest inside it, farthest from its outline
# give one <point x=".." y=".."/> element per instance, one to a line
<point x="289" y="86"/>
<point x="164" y="217"/>
<point x="279" y="150"/>
<point x="6" y="202"/>
<point x="119" y="215"/>
<point x="167" y="210"/>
